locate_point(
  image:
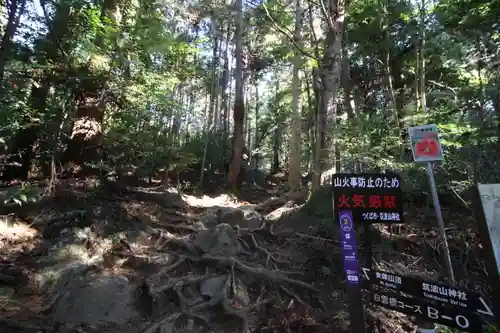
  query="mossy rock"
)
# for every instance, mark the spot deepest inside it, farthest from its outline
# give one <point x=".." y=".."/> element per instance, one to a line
<point x="320" y="203"/>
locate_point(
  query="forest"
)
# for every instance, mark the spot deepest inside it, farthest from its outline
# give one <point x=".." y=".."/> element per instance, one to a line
<point x="180" y="154"/>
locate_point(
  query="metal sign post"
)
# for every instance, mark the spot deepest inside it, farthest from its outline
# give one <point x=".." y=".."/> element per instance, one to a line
<point x="351" y="268"/>
<point x="439" y="217"/>
<point x="363" y="199"/>
<point x="426" y="148"/>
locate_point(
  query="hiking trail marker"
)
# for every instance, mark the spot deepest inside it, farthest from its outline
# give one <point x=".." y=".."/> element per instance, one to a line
<point x="461" y="299"/>
<point x="425" y="143"/>
<point x="426" y="148"/>
<point x="349" y="248"/>
<point x="351" y="269"/>
<point x="448" y="316"/>
<point x="428" y="300"/>
<point x="363" y="199"/>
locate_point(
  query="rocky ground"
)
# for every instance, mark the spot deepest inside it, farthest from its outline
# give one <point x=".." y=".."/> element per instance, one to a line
<point x="95" y="258"/>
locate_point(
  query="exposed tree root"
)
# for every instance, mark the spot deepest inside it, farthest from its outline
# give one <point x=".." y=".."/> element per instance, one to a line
<point x="179" y="282"/>
<point x="274" y="203"/>
<point x="183" y="302"/>
<point x="13" y="324"/>
<point x="233" y="308"/>
<point x="294" y="296"/>
<point x="229" y="309"/>
<point x="168" y="238"/>
<point x="230" y="298"/>
<point x="273" y="275"/>
<point x="182" y="227"/>
<point x="257" y="247"/>
<point x="155" y="326"/>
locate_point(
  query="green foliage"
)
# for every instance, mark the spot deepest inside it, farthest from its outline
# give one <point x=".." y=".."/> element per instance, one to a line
<point x="26" y="193"/>
<point x="153" y="65"/>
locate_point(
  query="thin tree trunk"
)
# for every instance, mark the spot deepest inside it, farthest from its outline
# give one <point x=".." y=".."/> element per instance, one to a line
<point x="246" y="121"/>
<point x="346" y="81"/>
<point x="482" y="89"/>
<point x="214" y="87"/>
<point x="239" y="102"/>
<point x="225" y="87"/>
<point x="256" y="154"/>
<point x="205" y="143"/>
<point x="275" y="166"/>
<point x="15" y="10"/>
<point x="296" y="129"/>
<point x="422" y="94"/>
<point x="312" y="108"/>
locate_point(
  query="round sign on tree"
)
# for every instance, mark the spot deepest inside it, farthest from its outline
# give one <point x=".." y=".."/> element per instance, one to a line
<point x="425" y="143"/>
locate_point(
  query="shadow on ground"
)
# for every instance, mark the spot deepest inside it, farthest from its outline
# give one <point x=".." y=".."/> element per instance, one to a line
<point x="111" y="258"/>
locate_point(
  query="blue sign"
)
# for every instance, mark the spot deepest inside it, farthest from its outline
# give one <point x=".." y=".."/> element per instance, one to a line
<point x="349" y="249"/>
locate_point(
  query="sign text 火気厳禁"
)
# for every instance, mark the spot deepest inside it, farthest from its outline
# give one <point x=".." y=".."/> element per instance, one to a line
<point x="374" y="198"/>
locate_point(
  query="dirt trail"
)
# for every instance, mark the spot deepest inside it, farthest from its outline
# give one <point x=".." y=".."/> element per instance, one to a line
<point x="151" y="260"/>
<point x="148" y="260"/>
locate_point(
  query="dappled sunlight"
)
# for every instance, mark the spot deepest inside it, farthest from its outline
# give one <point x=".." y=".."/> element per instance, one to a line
<point x="207" y="201"/>
<point x="169" y="166"/>
<point x="16" y="231"/>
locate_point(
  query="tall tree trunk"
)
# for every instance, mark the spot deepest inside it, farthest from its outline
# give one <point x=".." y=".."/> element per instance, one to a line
<point x="239" y="102"/>
<point x="225" y="94"/>
<point x="422" y="94"/>
<point x="15" y="10"/>
<point x="215" y="76"/>
<point x="331" y="68"/>
<point x="246" y="119"/>
<point x="349" y="104"/>
<point x="275" y="165"/>
<point x="23" y="151"/>
<point x="295" y="141"/>
<point x="86" y="137"/>
<point x="256" y="154"/>
<point x="482" y="86"/>
<point x="311" y="116"/>
<point x="318" y="132"/>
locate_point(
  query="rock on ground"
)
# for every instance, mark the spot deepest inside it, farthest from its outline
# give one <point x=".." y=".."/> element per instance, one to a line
<point x="97" y="300"/>
<point x="244" y="217"/>
<point x="220" y="240"/>
<point x="213" y="286"/>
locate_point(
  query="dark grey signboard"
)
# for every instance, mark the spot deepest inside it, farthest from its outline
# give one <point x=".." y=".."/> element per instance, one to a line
<point x="445" y="315"/>
<point x="372" y="197"/>
<point x="462" y="299"/>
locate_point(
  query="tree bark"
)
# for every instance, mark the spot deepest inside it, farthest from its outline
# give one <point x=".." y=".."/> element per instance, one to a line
<point x="214" y="91"/>
<point x="15" y="11"/>
<point x="256" y="154"/>
<point x="294" y="180"/>
<point x="275" y="166"/>
<point x="239" y="103"/>
<point x="86" y="136"/>
<point x="331" y="69"/>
